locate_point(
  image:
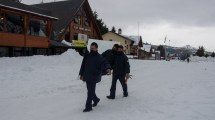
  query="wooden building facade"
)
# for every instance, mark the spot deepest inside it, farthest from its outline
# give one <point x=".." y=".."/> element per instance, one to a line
<point x="23" y="29"/>
<point x="76" y="20"/>
<point x="32" y="30"/>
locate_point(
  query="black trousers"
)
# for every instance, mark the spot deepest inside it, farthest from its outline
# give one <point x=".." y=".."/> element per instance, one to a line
<point x="113" y="86"/>
<point x="91" y="94"/>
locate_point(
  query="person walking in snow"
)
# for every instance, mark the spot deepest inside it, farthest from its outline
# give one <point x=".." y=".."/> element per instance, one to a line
<point x="91" y="72"/>
<point x="121" y="70"/>
<point x="110" y="54"/>
<point x="188" y="59"/>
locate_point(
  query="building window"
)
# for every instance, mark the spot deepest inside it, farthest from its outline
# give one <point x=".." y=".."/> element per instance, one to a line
<point x="75" y="36"/>
<point x="2" y="22"/>
<point x="86" y="22"/>
<point x="125" y="42"/>
<point x="67" y="36"/>
<point x="12" y="23"/>
<point x="77" y="20"/>
<point x="38" y="27"/>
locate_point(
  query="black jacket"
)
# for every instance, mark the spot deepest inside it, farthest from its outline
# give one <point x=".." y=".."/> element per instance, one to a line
<point x="121" y="65"/>
<point x="92" y="66"/>
<point x="109" y="56"/>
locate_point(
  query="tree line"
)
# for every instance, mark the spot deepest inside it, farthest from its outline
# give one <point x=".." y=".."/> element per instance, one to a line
<point x="102" y="26"/>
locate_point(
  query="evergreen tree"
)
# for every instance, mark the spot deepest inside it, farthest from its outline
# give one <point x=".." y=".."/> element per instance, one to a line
<point x="113" y="29"/>
<point x="206" y="55"/>
<point x="162" y="50"/>
<point x="213" y="54"/>
<point x="201" y="51"/>
<point x="102" y="27"/>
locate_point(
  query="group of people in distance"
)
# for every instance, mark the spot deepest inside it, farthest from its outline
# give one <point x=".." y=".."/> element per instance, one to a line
<point x="94" y="65"/>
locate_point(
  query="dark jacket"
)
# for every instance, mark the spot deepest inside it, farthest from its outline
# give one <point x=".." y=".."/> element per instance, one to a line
<point x="109" y="56"/>
<point x="92" y="66"/>
<point x="121" y="65"/>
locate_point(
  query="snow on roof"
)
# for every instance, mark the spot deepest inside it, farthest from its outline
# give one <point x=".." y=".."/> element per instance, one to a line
<point x="58" y="44"/>
<point x="146" y="48"/>
<point x="136" y="39"/>
<point x="66" y="43"/>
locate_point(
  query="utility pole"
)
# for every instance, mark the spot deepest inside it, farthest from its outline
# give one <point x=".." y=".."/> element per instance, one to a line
<point x="138" y="28"/>
<point x="165" y="47"/>
<point x="138" y="40"/>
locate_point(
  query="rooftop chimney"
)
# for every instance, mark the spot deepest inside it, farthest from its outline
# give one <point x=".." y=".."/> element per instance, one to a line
<point x="120" y="31"/>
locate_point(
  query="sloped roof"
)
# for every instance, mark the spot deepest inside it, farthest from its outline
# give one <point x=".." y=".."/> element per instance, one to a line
<point x="64" y="10"/>
<point x="26" y="8"/>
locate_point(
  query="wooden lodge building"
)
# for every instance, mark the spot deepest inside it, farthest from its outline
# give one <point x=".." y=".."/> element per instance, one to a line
<point x="39" y="29"/>
<point x="23" y="28"/>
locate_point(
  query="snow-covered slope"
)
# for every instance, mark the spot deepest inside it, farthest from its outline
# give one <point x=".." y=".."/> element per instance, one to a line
<point x="47" y="88"/>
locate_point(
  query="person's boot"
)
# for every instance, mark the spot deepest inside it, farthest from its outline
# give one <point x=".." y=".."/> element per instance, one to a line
<point x="87" y="109"/>
<point x="110" y="97"/>
<point x="95" y="103"/>
<point x="125" y="95"/>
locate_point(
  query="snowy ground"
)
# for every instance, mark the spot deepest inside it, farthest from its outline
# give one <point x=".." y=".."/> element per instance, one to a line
<point x="47" y="88"/>
<point x="202" y="59"/>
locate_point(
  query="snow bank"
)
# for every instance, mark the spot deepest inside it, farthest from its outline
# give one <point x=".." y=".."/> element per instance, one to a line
<point x="30" y="76"/>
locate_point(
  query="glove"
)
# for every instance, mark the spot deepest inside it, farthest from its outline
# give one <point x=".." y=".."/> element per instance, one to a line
<point x="108" y="72"/>
<point x="127" y="76"/>
<point x="82" y="78"/>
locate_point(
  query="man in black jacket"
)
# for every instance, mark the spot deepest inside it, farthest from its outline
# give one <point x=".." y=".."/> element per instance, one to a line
<point x="91" y="72"/>
<point x="121" y="70"/>
<point x="110" y="54"/>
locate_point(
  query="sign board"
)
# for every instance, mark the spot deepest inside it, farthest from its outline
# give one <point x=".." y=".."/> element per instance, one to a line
<point x="79" y="43"/>
<point x="82" y="29"/>
<point x="169" y="50"/>
<point x="82" y="37"/>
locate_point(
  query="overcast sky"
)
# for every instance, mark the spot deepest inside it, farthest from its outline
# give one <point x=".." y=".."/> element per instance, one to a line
<point x="185" y="22"/>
